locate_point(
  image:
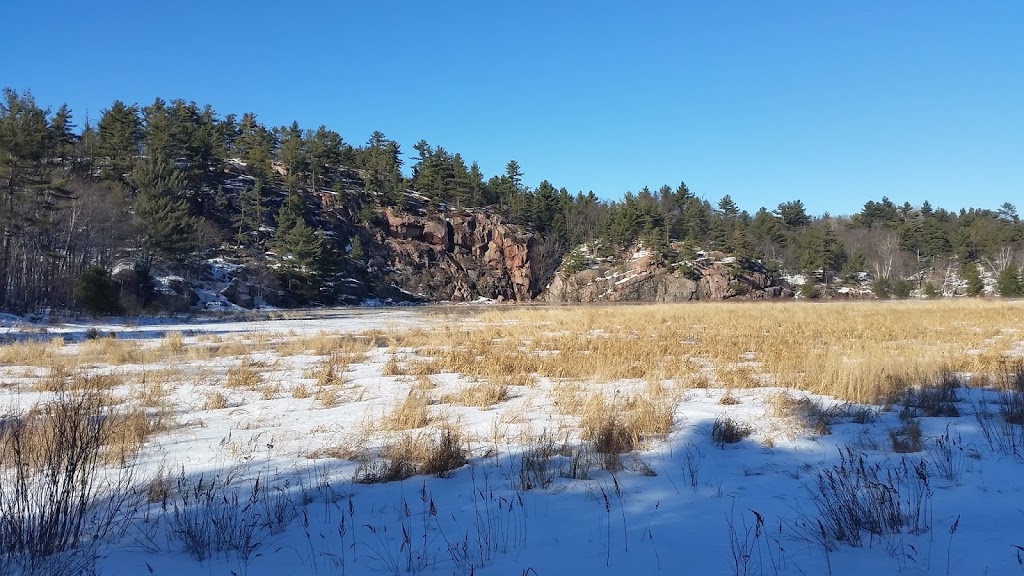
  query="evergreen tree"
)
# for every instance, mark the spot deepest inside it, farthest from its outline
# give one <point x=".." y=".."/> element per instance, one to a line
<point x="161" y="210"/>
<point x="326" y="150"/>
<point x="300" y="253"/>
<point x="254" y="146"/>
<point x="252" y="209"/>
<point x="96" y="292"/>
<point x="382" y="162"/>
<point x="1009" y="284"/>
<point x="61" y="134"/>
<point x="24" y="142"/>
<point x="291" y="213"/>
<point x="727" y="207"/>
<point x="972" y="275"/>
<point x="118" y="141"/>
<point x="792" y="214"/>
<point x="292" y="153"/>
<point x="158" y="132"/>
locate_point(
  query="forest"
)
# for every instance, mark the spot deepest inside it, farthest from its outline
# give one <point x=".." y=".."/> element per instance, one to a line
<point x="89" y="208"/>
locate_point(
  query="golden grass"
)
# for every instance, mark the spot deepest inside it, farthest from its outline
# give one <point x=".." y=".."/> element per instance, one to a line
<point x="625" y="425"/>
<point x="858" y="351"/>
<point x="480" y="395"/>
<point x="31" y="353"/>
<point x="325" y="343"/>
<point x="216" y="400"/>
<point x="413" y="412"/>
<point x="75" y="420"/>
<point x="173" y="344"/>
<point x="245" y="376"/>
<point x="111" y="351"/>
<point x="327" y="396"/>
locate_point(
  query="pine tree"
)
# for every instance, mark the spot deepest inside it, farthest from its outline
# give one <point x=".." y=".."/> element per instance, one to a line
<point x="61" y="134"/>
<point x="383" y="163"/>
<point x="299" y="252"/>
<point x="727" y="207"/>
<point x="1009" y="283"/>
<point x="292" y="153"/>
<point x="254" y="146"/>
<point x="161" y="210"/>
<point x="24" y="143"/>
<point x="118" y="141"/>
<point x="972" y="275"/>
<point x="291" y="213"/>
<point x="252" y="209"/>
<point x="792" y="214"/>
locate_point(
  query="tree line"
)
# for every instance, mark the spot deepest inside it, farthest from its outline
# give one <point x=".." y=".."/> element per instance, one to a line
<point x="172" y="183"/>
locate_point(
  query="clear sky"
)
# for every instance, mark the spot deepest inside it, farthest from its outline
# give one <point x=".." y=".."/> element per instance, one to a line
<point x="834" y="103"/>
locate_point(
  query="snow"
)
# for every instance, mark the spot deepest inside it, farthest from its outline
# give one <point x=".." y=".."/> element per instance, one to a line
<point x="672" y="509"/>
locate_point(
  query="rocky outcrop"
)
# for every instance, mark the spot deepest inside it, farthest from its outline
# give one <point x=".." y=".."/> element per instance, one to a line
<point x="458" y="256"/>
<point x="643" y="278"/>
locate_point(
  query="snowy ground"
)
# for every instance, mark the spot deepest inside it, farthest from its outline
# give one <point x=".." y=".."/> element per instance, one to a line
<point x="683" y="506"/>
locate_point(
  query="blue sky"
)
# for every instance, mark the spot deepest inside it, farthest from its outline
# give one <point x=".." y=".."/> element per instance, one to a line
<point x="834" y="103"/>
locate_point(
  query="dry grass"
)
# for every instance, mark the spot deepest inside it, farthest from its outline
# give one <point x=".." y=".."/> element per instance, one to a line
<point x="624" y="425"/>
<point x="31" y="353"/>
<point x="426" y="453"/>
<point x="805" y="414"/>
<point x="173" y="345"/>
<point x="481" y="395"/>
<point x="216" y="400"/>
<point x="859" y="351"/>
<point x="330" y="371"/>
<point x="413" y="412"/>
<point x="327" y="396"/>
<point x="324" y="343"/>
<point x="111" y="351"/>
<point x="269" y="390"/>
<point x="118" y="431"/>
<point x="245" y="376"/>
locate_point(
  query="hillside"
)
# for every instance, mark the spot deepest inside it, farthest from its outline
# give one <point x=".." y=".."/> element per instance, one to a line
<point x="172" y="206"/>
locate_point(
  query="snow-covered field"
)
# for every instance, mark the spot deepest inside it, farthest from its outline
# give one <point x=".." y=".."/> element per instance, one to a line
<point x="266" y="468"/>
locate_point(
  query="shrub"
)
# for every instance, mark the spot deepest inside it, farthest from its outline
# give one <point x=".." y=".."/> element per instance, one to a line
<point x="411" y="455"/>
<point x="728" y="431"/>
<point x="535" y="469"/>
<point x="856" y="497"/>
<point x="97" y="293"/>
<point x="57" y="500"/>
<point x="937" y="400"/>
<point x="901" y="289"/>
<point x="906" y="438"/>
<point x="881" y="287"/>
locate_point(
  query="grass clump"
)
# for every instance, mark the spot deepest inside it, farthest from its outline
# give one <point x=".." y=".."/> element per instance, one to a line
<point x="858" y="498"/>
<point x="618" y="427"/>
<point x="728" y="431"/>
<point x="58" y="500"/>
<point x="411" y="455"/>
<point x="907" y="437"/>
<point x="245" y="376"/>
<point x="810" y="415"/>
<point x="480" y="395"/>
<point x="413" y="412"/>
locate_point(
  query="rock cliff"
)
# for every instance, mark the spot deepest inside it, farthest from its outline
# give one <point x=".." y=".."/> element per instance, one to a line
<point x="640" y="277"/>
<point x="459" y="256"/>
